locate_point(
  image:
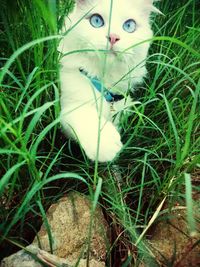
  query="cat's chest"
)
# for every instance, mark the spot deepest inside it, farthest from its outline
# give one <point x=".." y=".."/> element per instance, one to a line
<point x="113" y="74"/>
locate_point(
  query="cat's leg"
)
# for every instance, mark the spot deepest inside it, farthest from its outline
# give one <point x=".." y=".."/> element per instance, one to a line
<point x="83" y="124"/>
<point x="80" y="119"/>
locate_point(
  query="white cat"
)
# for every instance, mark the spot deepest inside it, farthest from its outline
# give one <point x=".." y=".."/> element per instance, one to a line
<point x="94" y="26"/>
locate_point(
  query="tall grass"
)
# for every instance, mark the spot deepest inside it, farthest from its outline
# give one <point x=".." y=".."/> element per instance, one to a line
<point x="161" y="136"/>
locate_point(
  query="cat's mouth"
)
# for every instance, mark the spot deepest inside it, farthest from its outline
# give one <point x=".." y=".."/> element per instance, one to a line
<point x="114" y="51"/>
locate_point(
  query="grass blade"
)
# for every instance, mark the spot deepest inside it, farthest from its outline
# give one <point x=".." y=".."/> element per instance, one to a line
<point x="189" y="204"/>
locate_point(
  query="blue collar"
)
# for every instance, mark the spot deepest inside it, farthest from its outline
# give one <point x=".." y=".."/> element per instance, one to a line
<point x="109" y="96"/>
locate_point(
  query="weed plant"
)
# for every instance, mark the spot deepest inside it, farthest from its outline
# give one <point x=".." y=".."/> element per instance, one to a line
<point x="38" y="164"/>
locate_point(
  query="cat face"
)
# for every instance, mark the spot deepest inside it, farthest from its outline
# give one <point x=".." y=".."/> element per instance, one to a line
<point x="128" y="24"/>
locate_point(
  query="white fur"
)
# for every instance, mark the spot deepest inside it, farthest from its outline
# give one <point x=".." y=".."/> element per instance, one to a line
<point x="85" y="115"/>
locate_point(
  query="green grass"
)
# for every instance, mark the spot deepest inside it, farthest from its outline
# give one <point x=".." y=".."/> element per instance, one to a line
<point x="38" y="164"/>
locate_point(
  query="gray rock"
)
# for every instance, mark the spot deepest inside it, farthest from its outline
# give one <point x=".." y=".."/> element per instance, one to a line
<point x="23" y="259"/>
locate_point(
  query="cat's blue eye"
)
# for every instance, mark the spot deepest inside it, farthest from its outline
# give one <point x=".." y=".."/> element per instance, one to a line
<point x="129" y="25"/>
<point x="96" y="21"/>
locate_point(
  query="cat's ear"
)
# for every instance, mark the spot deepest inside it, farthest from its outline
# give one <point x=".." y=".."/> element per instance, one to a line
<point x="80" y="3"/>
<point x="151" y="7"/>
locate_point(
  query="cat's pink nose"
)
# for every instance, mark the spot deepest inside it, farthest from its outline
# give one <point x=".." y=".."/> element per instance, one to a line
<point x="113" y="38"/>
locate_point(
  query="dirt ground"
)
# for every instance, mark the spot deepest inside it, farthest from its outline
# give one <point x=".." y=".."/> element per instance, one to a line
<point x="171" y="240"/>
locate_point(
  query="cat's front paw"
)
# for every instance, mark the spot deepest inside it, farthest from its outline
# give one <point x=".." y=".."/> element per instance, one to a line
<point x="110" y="144"/>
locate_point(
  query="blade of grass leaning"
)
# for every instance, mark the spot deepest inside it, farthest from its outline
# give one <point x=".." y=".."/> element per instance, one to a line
<point x="189" y="205"/>
<point x="7" y="176"/>
<point x="175" y="131"/>
<point x="35" y="120"/>
<point x="141" y="189"/>
<point x="28" y="82"/>
<point x="152" y="220"/>
<point x="97" y="194"/>
<point x="46" y="225"/>
<point x="190" y="124"/>
<point x="41" y="137"/>
<point x="53" y="162"/>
